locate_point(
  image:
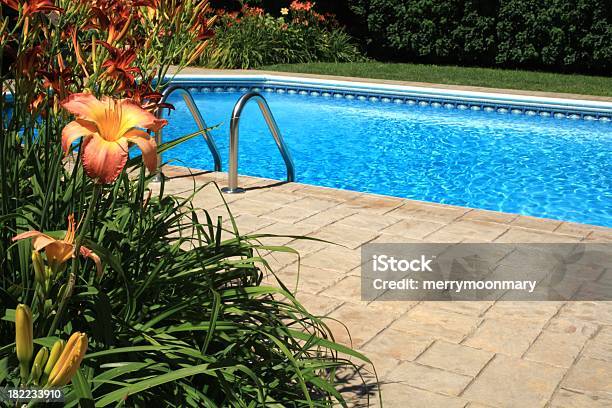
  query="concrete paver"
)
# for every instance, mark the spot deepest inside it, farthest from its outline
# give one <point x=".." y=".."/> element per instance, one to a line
<point x="427" y="354"/>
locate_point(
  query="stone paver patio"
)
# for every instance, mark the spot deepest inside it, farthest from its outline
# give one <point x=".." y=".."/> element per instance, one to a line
<point x="427" y="354"/>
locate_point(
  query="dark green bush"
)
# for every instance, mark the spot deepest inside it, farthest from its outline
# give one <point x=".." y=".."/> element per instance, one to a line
<point x="558" y="35"/>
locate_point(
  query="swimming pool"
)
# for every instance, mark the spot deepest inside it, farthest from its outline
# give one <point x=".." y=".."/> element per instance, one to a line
<point x="520" y="159"/>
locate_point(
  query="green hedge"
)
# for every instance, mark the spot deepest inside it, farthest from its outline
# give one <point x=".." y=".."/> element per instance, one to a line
<point x="557" y="35"/>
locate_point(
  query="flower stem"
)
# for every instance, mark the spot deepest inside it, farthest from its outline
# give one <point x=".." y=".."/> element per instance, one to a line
<point x="24" y="371"/>
<point x="97" y="189"/>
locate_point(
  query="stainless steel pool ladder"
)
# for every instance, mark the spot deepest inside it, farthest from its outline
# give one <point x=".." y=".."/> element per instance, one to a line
<point x="197" y="116"/>
<point x="278" y="138"/>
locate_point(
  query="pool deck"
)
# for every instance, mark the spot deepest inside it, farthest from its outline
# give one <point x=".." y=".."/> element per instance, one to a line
<point x="427" y="354"/>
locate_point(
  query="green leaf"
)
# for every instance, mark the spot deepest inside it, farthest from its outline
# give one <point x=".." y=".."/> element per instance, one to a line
<point x="132" y="389"/>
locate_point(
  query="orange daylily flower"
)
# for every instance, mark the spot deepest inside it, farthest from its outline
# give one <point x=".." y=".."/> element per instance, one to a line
<point x="143" y="94"/>
<point x="108" y="127"/>
<point x="119" y="63"/>
<point x="115" y="17"/>
<point x="59" y="251"/>
<point x="32" y="6"/>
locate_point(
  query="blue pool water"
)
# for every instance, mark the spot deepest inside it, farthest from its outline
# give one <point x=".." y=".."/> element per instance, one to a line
<point x="546" y="167"/>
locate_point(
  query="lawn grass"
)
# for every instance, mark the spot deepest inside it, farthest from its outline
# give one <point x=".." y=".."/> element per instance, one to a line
<point x="487" y="77"/>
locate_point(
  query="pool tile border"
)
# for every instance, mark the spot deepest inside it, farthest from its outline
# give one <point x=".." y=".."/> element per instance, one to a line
<point x="593" y="111"/>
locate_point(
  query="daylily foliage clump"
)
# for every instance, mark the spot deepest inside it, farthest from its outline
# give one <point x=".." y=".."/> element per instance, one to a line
<point x="157" y="307"/>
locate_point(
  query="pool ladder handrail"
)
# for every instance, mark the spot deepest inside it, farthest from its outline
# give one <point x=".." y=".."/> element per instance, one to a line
<point x="197" y="116"/>
<point x="272" y="126"/>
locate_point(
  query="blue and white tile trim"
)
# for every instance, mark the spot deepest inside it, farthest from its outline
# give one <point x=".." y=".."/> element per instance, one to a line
<point x="399" y="94"/>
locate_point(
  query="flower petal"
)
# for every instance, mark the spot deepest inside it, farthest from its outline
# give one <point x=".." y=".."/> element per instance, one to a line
<point x="147" y="146"/>
<point x="74" y="130"/>
<point x="85" y="106"/>
<point x="26" y="235"/>
<point x="40" y="241"/>
<point x="104" y="160"/>
<point x="134" y="116"/>
<point x="59" y="252"/>
<point x="88" y="253"/>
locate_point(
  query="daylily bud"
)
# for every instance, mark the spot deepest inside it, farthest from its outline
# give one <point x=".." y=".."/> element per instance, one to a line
<point x="39" y="362"/>
<point x="56" y="351"/>
<point x="39" y="267"/>
<point x="24" y="339"/>
<point x="69" y="361"/>
<point x="65" y="290"/>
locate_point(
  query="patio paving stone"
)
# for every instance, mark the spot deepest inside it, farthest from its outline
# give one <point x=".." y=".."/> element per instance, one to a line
<point x="562" y="324"/>
<point x="344" y="235"/>
<point x="411" y="228"/>
<point x="594" y="312"/>
<point x="397" y="345"/>
<point x="536" y="223"/>
<point x="428" y="354"/>
<point x="489" y="216"/>
<point x="525" y="236"/>
<point x="334" y="257"/>
<point x="455" y="358"/>
<point x="475" y="231"/>
<point x="311" y="280"/>
<point x="600" y="347"/>
<point x="290" y="214"/>
<point x="500" y="336"/>
<point x="590" y="375"/>
<point x="429" y="212"/>
<point x="470" y="308"/>
<point x="512" y="382"/>
<point x="558" y="349"/>
<point x="575" y="399"/>
<point x="374" y="204"/>
<point x="395" y="239"/>
<point x="383" y="363"/>
<point x="312" y="203"/>
<point x="367" y="221"/>
<point x="285" y="232"/>
<point x="429" y="378"/>
<point x="449" y="326"/>
<point x="327" y="217"/>
<point x="347" y="289"/>
<point x="398" y="395"/>
<point x="328" y="193"/>
<point x="535" y="312"/>
<point x="319" y="305"/>
<point x="570" y="228"/>
<point x="353" y="317"/>
<point x="252" y="207"/>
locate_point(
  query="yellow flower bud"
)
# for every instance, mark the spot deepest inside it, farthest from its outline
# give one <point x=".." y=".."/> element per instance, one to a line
<point x="24" y="339"/>
<point x="39" y="362"/>
<point x="56" y="351"/>
<point x="39" y="267"/>
<point x="70" y="360"/>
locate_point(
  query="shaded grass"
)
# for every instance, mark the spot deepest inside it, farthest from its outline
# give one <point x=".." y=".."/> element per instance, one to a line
<point x="452" y="75"/>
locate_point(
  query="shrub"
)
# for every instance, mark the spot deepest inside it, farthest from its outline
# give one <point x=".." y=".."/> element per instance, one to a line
<point x="560" y="35"/>
<point x="160" y="310"/>
<point x="252" y="39"/>
<point x="570" y="34"/>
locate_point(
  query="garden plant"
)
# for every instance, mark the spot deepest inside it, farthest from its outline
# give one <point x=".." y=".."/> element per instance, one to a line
<point x="110" y="289"/>
<point x="252" y="38"/>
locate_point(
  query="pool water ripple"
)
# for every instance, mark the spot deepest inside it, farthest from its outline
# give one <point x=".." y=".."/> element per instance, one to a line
<point x="533" y="165"/>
